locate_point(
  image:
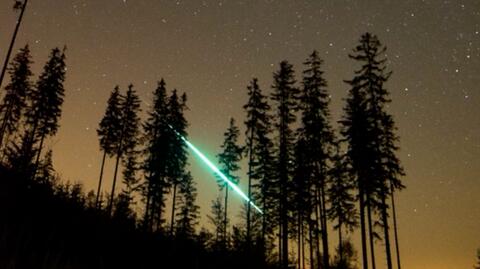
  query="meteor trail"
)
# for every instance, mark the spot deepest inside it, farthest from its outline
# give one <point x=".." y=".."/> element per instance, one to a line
<point x="217" y="171"/>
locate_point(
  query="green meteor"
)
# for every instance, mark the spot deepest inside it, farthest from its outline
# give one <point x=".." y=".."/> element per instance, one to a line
<point x="218" y="172"/>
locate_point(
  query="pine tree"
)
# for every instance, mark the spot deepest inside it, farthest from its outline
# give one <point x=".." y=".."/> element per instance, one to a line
<point x="128" y="137"/>
<point x="177" y="157"/>
<point x="354" y="124"/>
<point x="262" y="188"/>
<point x="285" y="96"/>
<point x="157" y="138"/>
<point x="257" y="143"/>
<point x="188" y="215"/>
<point x="14" y="102"/>
<point x="369" y="130"/>
<point x="301" y="188"/>
<point x="109" y="131"/>
<point x="217" y="219"/>
<point x="342" y="209"/>
<point x="47" y="99"/>
<point x="228" y="160"/>
<point x="130" y="178"/>
<point x="317" y="134"/>
<point x="17" y="5"/>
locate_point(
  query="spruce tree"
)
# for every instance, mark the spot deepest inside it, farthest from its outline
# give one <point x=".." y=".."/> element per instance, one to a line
<point x="317" y="134"/>
<point x="109" y="131"/>
<point x="177" y="152"/>
<point x="188" y="215"/>
<point x="47" y="99"/>
<point x="342" y="209"/>
<point x="128" y="137"/>
<point x="354" y="125"/>
<point x="217" y="219"/>
<point x="285" y="96"/>
<point x="257" y="143"/>
<point x="229" y="160"/>
<point x="14" y="101"/>
<point x="157" y="135"/>
<point x="369" y="130"/>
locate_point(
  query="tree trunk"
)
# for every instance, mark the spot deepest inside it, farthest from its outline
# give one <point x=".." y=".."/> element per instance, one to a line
<point x="299" y="240"/>
<point x="3" y="130"/>
<point x="12" y="42"/>
<point x="385" y="231"/>
<point x="110" y="203"/>
<point x="37" y="160"/>
<point x="280" y="242"/>
<point x="323" y="217"/>
<point x="395" y="227"/>
<point x="172" y="220"/>
<point x="284" y="223"/>
<point x="146" y="223"/>
<point x="225" y="218"/>
<point x="371" y="232"/>
<point x="303" y="247"/>
<point x="362" y="229"/>
<point x="317" y="229"/>
<point x="310" y="242"/>
<point x="250" y="161"/>
<point x="97" y="199"/>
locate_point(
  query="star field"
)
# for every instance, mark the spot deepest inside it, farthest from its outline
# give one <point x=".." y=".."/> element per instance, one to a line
<point x="211" y="49"/>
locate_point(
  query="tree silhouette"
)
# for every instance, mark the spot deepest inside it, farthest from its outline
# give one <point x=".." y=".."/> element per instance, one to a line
<point x="342" y="209"/>
<point x="257" y="143"/>
<point x="317" y="135"/>
<point x="187" y="217"/>
<point x="14" y="102"/>
<point x="302" y="200"/>
<point x="228" y="159"/>
<point x="47" y="99"/>
<point x="130" y="107"/>
<point x="130" y="178"/>
<point x="354" y="126"/>
<point x="109" y="131"/>
<point x="157" y="137"/>
<point x="285" y="96"/>
<point x="369" y="129"/>
<point x="177" y="152"/>
<point x="18" y="5"/>
<point x="217" y="219"/>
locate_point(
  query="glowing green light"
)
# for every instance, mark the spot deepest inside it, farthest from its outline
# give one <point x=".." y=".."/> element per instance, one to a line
<point x="218" y="172"/>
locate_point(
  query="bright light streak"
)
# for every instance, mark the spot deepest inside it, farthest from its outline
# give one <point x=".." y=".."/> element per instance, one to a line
<point x="218" y="172"/>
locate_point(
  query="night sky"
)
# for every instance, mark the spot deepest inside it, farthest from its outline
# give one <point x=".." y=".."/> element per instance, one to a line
<point x="211" y="49"/>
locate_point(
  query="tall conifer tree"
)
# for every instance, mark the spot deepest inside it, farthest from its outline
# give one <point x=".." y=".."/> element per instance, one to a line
<point x="14" y="101"/>
<point x="130" y="107"/>
<point x="257" y="145"/>
<point x="109" y="131"/>
<point x="229" y="160"/>
<point x="157" y="139"/>
<point x="177" y="151"/>
<point x="369" y="130"/>
<point x="47" y="99"/>
<point x="188" y="215"/>
<point x="285" y="96"/>
<point x="317" y="134"/>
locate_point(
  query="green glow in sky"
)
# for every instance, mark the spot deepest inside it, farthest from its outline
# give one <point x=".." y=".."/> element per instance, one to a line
<point x="218" y="172"/>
